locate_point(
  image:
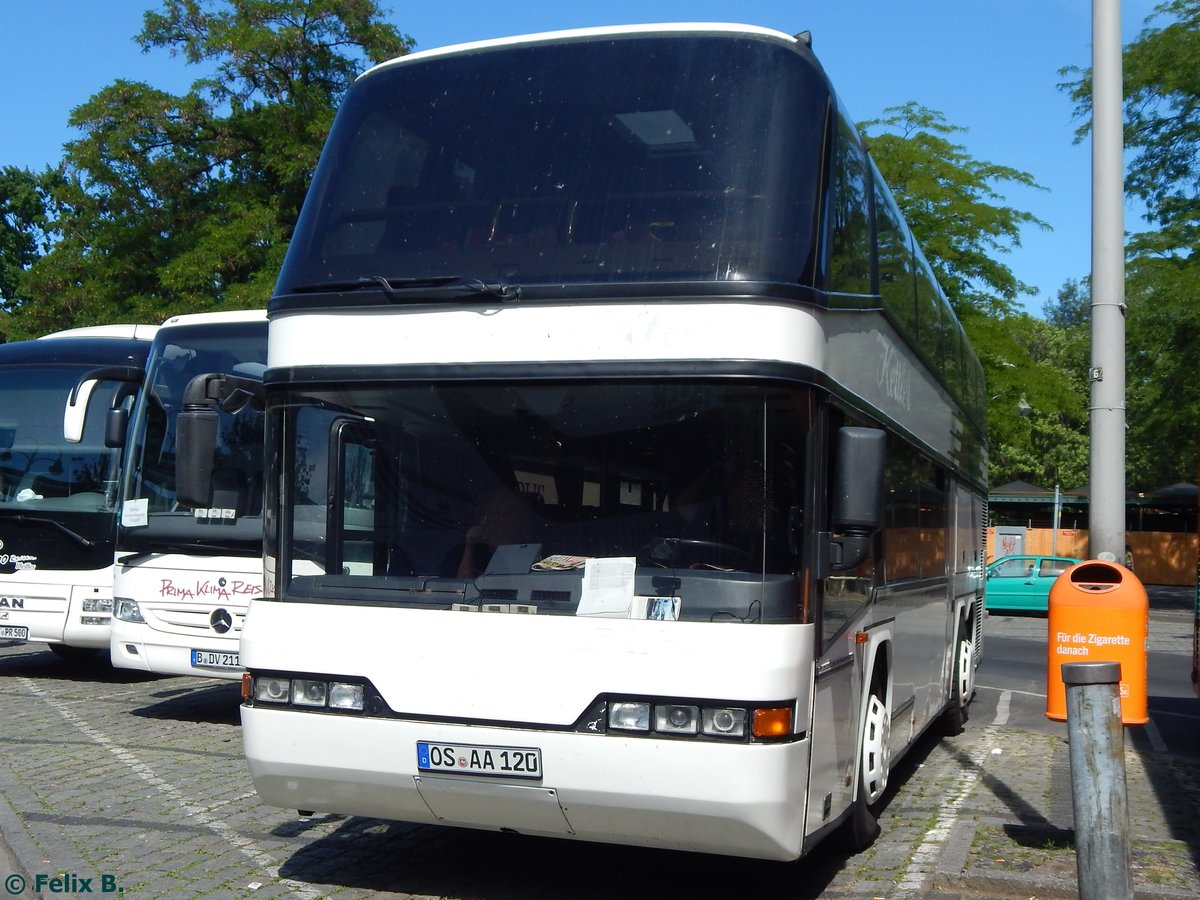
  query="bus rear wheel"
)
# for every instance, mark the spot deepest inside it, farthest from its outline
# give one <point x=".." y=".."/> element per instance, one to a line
<point x="962" y="686"/>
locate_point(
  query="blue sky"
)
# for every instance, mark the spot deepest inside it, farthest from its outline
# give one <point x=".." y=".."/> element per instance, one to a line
<point x="989" y="66"/>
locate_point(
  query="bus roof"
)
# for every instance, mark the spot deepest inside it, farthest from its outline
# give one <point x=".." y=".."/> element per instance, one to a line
<point x="593" y="32"/>
<point x="209" y="318"/>
<point x="83" y="350"/>
<point x="128" y="331"/>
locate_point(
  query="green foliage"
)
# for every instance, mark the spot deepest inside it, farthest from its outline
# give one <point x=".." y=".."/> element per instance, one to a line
<point x="171" y="204"/>
<point x="958" y="216"/>
<point x="22" y="232"/>
<point x="1161" y="71"/>
<point x="1162" y="395"/>
<point x="1037" y="414"/>
<point x="953" y="205"/>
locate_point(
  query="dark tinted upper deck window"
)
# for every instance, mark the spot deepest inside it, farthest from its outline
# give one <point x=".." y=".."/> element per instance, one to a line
<point x="635" y="158"/>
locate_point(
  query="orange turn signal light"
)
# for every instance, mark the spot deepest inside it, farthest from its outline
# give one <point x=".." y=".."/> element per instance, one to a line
<point x="247" y="686"/>
<point x="769" y="723"/>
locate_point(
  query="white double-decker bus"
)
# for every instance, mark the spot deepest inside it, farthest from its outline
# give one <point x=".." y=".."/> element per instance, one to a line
<point x="625" y="463"/>
<point x="58" y="497"/>
<point x="187" y="567"/>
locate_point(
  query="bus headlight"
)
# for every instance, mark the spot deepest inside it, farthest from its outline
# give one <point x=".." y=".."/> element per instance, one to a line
<point x="98" y="605"/>
<point x="677" y="719"/>
<point x="690" y="719"/>
<point x="727" y="722"/>
<point x="305" y="693"/>
<point x="127" y="610"/>
<point x="272" y="690"/>
<point x="343" y="695"/>
<point x="629" y="716"/>
<point x="309" y="692"/>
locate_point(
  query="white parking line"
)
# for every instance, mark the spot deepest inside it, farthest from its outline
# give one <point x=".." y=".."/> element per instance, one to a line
<point x="244" y="845"/>
<point x="1002" y="708"/>
<point x="1156" y="738"/>
<point x="923" y="862"/>
<point x="984" y="687"/>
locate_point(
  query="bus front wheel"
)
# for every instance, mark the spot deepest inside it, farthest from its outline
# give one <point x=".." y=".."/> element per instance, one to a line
<point x="874" y="765"/>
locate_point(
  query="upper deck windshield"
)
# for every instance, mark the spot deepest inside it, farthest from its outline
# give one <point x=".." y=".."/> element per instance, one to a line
<point x="151" y="518"/>
<point x="431" y="496"/>
<point x="57" y="499"/>
<point x="533" y="165"/>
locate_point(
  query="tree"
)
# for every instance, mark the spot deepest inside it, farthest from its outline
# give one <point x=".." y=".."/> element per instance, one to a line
<point x="953" y="206"/>
<point x="22" y="232"/>
<point x="1161" y="71"/>
<point x="1037" y="414"/>
<point x="173" y="204"/>
<point x="952" y="202"/>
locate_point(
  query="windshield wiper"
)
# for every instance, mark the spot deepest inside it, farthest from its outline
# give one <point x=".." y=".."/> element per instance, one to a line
<point x="57" y="526"/>
<point x="402" y="288"/>
<point x="160" y="547"/>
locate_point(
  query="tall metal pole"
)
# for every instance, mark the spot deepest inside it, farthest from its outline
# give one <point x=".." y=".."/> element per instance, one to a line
<point x="1057" y="520"/>
<point x="1107" y="459"/>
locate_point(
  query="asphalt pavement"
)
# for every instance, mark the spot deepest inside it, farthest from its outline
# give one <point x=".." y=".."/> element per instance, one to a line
<point x="116" y="782"/>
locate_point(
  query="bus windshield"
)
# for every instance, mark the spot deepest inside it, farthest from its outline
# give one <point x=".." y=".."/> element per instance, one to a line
<point x="466" y="494"/>
<point x="45" y="480"/>
<point x="681" y="169"/>
<point x="151" y="519"/>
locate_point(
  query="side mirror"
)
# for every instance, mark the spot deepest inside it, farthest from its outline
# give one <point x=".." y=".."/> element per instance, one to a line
<point x="195" y="438"/>
<point x="116" y="423"/>
<point x="856" y="495"/>
<point x="196" y="430"/>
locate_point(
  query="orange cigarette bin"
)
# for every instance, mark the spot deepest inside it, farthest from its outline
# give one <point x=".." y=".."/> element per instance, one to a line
<point x="1098" y="612"/>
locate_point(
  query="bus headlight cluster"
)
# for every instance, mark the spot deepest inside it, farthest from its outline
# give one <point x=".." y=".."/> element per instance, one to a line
<point x="682" y="719"/>
<point x="127" y="610"/>
<point x="307" y="693"/>
<point x="98" y="605"/>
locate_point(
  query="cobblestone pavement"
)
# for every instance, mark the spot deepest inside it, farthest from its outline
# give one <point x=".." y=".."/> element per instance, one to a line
<point x="138" y="784"/>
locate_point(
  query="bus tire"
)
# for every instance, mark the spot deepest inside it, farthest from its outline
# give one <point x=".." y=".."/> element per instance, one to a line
<point x="962" y="683"/>
<point x="874" y="764"/>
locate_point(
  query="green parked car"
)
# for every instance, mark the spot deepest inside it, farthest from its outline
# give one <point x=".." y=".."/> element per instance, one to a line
<point x="1023" y="582"/>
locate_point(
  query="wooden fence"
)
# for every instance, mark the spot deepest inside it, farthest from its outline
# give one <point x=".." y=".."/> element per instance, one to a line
<point x="1159" y="557"/>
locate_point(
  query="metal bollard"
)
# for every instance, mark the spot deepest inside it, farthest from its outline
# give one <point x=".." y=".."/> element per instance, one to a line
<point x="1099" y="799"/>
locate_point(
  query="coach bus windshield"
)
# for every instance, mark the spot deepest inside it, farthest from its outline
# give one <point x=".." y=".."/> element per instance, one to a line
<point x="57" y="499"/>
<point x="151" y="519"/>
<point x="536" y="166"/>
<point x="463" y="495"/>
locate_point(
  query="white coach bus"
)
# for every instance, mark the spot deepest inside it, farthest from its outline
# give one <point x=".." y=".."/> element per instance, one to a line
<point x="58" y="498"/>
<point x="625" y="463"/>
<point x="188" y="567"/>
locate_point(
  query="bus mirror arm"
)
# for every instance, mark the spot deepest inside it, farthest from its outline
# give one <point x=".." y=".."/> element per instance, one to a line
<point x="75" y="412"/>
<point x="848" y="551"/>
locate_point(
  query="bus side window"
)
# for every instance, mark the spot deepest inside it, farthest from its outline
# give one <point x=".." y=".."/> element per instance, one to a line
<point x="849" y="215"/>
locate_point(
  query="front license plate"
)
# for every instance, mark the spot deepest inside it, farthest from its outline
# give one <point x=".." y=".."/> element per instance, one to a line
<point x="215" y="659"/>
<point x="476" y="759"/>
<point x="16" y="632"/>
